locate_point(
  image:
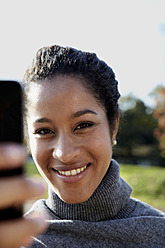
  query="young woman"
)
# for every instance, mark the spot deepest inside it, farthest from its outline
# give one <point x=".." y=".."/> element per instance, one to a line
<point x="72" y="117"/>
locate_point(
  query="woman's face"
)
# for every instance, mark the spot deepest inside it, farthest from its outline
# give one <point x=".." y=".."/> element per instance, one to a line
<point x="69" y="137"/>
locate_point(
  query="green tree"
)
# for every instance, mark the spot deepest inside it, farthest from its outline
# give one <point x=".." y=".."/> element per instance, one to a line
<point x="159" y="114"/>
<point x="135" y="136"/>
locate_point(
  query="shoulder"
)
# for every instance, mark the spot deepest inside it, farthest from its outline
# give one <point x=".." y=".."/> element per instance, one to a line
<point x="38" y="207"/>
<point x="143" y="209"/>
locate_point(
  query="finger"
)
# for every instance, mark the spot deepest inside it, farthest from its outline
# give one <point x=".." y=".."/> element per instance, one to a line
<point x="11" y="155"/>
<point x="18" y="189"/>
<point x="19" y="232"/>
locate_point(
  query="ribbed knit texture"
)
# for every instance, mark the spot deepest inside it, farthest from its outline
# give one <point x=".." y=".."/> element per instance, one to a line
<point x="110" y="218"/>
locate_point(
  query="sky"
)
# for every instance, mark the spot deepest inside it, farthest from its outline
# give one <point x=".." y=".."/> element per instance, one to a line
<point x="126" y="34"/>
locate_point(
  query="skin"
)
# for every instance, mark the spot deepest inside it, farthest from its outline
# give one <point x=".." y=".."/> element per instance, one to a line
<point x="68" y="129"/>
<point x="19" y="232"/>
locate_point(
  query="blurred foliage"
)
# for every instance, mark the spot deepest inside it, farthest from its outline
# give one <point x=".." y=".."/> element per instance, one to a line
<point x="159" y="114"/>
<point x="136" y="142"/>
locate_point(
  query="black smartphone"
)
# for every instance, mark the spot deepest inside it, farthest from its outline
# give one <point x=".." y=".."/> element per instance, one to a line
<point x="11" y="131"/>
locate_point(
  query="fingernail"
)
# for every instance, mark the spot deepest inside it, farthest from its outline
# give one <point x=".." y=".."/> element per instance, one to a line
<point x="40" y="221"/>
<point x="14" y="151"/>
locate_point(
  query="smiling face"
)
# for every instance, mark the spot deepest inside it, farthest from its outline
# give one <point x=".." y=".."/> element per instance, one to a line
<point x="69" y="137"/>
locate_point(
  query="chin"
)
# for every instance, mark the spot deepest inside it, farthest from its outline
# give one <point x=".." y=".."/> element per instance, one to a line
<point x="73" y="200"/>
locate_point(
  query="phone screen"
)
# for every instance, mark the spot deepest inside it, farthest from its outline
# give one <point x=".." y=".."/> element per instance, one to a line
<point x="11" y="130"/>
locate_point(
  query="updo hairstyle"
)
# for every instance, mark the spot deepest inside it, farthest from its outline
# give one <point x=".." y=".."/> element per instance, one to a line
<point x="96" y="75"/>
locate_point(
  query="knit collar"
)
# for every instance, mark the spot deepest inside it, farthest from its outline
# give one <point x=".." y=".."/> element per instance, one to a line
<point x="109" y="201"/>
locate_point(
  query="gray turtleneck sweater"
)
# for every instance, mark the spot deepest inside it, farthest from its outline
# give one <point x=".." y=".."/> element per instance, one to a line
<point x="109" y="218"/>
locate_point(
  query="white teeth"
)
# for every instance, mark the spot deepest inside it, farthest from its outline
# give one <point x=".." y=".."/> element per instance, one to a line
<point x="67" y="173"/>
<point x="72" y="172"/>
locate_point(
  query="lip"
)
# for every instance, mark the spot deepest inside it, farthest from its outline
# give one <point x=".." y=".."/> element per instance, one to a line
<point x="70" y="166"/>
<point x="72" y="178"/>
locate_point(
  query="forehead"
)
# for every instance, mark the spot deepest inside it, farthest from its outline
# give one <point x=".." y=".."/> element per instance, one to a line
<point x="65" y="90"/>
<point x="57" y="85"/>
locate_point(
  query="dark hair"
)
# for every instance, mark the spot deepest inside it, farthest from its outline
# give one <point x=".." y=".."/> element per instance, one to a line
<point x="97" y="76"/>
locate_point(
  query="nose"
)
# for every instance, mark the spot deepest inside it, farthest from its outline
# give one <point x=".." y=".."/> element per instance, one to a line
<point x="65" y="149"/>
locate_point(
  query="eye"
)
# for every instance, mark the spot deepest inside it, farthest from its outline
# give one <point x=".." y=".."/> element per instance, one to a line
<point x="44" y="131"/>
<point x="83" y="125"/>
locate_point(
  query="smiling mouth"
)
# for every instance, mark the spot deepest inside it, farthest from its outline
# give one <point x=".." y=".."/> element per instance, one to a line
<point x="73" y="172"/>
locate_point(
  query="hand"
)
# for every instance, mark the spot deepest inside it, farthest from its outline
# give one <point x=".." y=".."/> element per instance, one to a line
<point x="19" y="232"/>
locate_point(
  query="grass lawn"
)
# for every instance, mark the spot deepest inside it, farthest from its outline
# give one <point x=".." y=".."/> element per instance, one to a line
<point x="148" y="183"/>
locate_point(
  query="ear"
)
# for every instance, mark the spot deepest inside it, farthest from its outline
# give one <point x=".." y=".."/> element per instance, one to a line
<point x="116" y="126"/>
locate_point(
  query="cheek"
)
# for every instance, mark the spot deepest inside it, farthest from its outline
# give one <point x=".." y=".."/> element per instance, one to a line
<point x="38" y="152"/>
<point x="104" y="149"/>
<point x="101" y="148"/>
<point x="41" y="158"/>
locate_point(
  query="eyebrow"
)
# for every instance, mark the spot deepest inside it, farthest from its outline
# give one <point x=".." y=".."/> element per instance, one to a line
<point x="75" y="115"/>
<point x="83" y="112"/>
<point x="41" y="120"/>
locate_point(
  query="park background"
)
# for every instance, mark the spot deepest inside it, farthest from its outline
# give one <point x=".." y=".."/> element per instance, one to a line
<point x="130" y="36"/>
